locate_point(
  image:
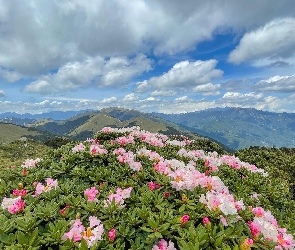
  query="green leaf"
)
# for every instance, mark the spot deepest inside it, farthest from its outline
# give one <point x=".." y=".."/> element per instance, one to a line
<point x="22" y="238"/>
<point x="158" y="235"/>
<point x="182" y="208"/>
<point x="147" y="229"/>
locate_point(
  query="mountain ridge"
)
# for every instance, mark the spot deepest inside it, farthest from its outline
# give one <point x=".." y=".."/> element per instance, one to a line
<point x="234" y="128"/>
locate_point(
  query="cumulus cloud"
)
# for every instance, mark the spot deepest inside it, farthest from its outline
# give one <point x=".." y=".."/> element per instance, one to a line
<point x="39" y="36"/>
<point x="235" y="97"/>
<point x="208" y="89"/>
<point x="151" y="104"/>
<point x="283" y="84"/>
<point x="130" y="98"/>
<point x="2" y="93"/>
<point x="164" y="93"/>
<point x="115" y="72"/>
<point x="183" y="75"/>
<point x="109" y="100"/>
<point x="274" y="43"/>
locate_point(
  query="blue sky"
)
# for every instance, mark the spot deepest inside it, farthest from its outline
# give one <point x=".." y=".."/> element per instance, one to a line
<point x="154" y="56"/>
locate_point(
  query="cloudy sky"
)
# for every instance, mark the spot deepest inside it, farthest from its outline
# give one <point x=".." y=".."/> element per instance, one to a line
<point x="167" y="56"/>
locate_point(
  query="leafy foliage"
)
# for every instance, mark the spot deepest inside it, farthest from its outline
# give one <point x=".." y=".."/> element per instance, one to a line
<point x="129" y="189"/>
<point x="280" y="163"/>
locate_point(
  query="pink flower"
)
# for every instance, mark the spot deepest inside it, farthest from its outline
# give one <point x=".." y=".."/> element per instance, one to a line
<point x="16" y="207"/>
<point x="21" y="193"/>
<point x="97" y="149"/>
<point x="184" y="219"/>
<point x="78" y="148"/>
<point x="12" y="167"/>
<point x="223" y="221"/>
<point x="152" y="186"/>
<point x="285" y="241"/>
<point x="164" y="245"/>
<point x="258" y="211"/>
<point x="51" y="183"/>
<point x="116" y="198"/>
<point x="91" y="193"/>
<point x="206" y="221"/>
<point x="112" y="234"/>
<point x="254" y="229"/>
<point x="125" y="193"/>
<point x="92" y="234"/>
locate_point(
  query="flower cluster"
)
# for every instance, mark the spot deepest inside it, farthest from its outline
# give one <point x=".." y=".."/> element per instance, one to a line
<point x="118" y="197"/>
<point x="153" y="185"/>
<point x="92" y="234"/>
<point x="213" y="161"/>
<point x="128" y="158"/>
<point x="30" y="163"/>
<point x="79" y="148"/>
<point x="13" y="205"/>
<point x="91" y="193"/>
<point x="164" y="245"/>
<point x="50" y="184"/>
<point x="266" y="225"/>
<point x="17" y="192"/>
<point x="97" y="149"/>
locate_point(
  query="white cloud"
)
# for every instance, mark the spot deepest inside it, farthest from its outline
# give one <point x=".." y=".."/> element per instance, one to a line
<point x="178" y="105"/>
<point x="116" y="72"/>
<point x="164" y="93"/>
<point x="183" y="75"/>
<point x="39" y="36"/>
<point x="208" y="89"/>
<point x="284" y="84"/>
<point x="2" y="93"/>
<point x="267" y="45"/>
<point x="130" y="98"/>
<point x="109" y="100"/>
<point x="235" y="97"/>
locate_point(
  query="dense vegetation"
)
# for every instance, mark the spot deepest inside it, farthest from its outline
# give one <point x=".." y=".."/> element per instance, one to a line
<point x="278" y="162"/>
<point x="15" y="153"/>
<point x="131" y="189"/>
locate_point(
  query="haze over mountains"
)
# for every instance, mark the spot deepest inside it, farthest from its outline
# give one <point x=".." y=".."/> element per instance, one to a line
<point x="235" y="128"/>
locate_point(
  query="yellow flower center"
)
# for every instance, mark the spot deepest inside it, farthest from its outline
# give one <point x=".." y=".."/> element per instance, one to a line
<point x="88" y="233"/>
<point x="178" y="179"/>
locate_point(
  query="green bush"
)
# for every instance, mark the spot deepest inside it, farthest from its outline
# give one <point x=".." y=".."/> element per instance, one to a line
<point x="131" y="189"/>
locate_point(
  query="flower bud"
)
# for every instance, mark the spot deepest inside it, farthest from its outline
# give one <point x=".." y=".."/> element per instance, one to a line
<point x="184" y="219"/>
<point x="20" y="185"/>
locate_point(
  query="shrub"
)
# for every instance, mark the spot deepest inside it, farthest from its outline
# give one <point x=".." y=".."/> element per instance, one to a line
<point x="131" y="189"/>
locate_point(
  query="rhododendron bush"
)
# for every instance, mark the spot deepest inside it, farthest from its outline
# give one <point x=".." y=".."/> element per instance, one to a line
<point x="131" y="189"/>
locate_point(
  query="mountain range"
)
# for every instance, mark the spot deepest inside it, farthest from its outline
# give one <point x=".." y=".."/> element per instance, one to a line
<point x="232" y="128"/>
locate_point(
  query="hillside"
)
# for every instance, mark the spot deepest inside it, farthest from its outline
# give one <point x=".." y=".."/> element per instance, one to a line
<point x="15" y="153"/>
<point x="240" y="128"/>
<point x="12" y="132"/>
<point x="85" y="125"/>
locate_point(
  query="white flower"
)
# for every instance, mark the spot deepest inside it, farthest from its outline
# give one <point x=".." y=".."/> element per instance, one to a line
<point x="7" y="202"/>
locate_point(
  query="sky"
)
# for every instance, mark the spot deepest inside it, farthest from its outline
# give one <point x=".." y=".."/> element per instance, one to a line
<point x="168" y="56"/>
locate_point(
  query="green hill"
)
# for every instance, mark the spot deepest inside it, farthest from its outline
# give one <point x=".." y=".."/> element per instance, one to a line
<point x="11" y="132"/>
